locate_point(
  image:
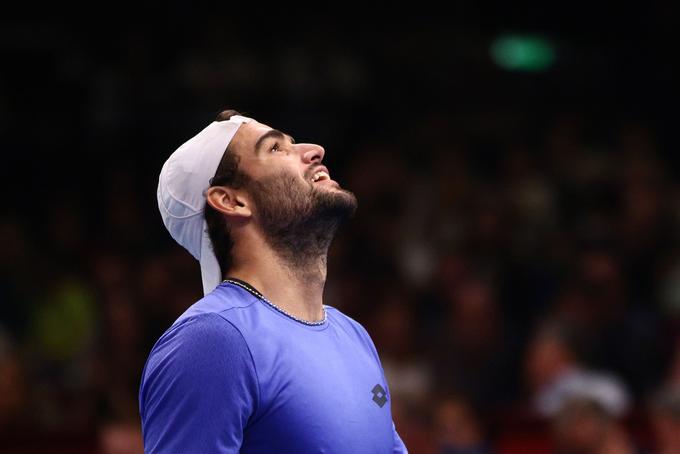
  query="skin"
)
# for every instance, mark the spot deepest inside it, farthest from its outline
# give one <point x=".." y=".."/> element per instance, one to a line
<point x="547" y="360"/>
<point x="296" y="286"/>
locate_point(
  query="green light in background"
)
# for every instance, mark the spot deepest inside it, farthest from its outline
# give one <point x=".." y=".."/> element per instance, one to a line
<point x="523" y="53"/>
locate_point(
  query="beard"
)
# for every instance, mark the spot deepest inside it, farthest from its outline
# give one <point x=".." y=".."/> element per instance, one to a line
<point x="299" y="220"/>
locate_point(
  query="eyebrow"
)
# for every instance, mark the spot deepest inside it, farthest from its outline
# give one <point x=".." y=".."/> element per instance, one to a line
<point x="272" y="133"/>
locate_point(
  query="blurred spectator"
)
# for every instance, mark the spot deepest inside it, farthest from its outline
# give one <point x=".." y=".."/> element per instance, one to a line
<point x="61" y="355"/>
<point x="458" y="428"/>
<point x="583" y="426"/>
<point x="556" y="376"/>
<point x="477" y="347"/>
<point x="616" y="334"/>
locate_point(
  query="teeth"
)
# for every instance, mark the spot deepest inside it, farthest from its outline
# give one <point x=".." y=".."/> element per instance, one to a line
<point x="319" y="175"/>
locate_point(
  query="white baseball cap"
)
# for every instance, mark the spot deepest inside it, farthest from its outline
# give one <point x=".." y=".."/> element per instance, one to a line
<point x="182" y="185"/>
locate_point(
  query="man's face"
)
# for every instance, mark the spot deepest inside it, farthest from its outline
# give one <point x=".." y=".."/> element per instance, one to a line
<point x="291" y="190"/>
<point x="265" y="152"/>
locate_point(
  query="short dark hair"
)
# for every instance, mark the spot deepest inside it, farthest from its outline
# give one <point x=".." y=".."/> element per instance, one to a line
<point x="227" y="174"/>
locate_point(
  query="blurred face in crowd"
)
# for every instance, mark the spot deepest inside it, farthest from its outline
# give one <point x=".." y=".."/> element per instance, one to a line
<point x="290" y="191"/>
<point x="547" y="358"/>
<point x="457" y="426"/>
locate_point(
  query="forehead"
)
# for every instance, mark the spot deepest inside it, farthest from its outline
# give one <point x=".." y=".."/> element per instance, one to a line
<point x="245" y="138"/>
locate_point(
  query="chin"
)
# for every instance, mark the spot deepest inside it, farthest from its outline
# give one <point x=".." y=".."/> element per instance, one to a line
<point x="342" y="201"/>
<point x="333" y="187"/>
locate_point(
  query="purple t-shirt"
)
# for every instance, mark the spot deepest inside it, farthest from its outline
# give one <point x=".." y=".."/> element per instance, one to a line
<point x="233" y="374"/>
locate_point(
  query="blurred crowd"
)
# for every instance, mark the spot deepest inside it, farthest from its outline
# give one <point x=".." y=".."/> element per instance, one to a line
<point x="524" y="296"/>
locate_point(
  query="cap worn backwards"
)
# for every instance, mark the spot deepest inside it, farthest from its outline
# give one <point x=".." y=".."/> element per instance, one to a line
<point x="182" y="185"/>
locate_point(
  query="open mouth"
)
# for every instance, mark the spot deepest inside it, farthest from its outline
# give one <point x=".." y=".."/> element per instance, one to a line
<point x="320" y="175"/>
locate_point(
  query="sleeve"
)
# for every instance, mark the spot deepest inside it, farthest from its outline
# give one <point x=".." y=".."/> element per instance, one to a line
<point x="199" y="388"/>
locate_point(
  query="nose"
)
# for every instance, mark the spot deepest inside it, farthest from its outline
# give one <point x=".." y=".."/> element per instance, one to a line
<point x="312" y="152"/>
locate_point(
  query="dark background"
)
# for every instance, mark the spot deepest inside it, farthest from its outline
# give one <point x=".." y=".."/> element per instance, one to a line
<point x="490" y="201"/>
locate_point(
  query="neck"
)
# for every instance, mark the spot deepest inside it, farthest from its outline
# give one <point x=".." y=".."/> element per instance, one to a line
<point x="294" y="285"/>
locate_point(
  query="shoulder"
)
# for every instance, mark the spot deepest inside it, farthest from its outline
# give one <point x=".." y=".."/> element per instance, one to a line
<point x="206" y="336"/>
<point x="223" y="300"/>
<point x="203" y="327"/>
<point x="350" y="325"/>
<point x="204" y="348"/>
<point x="198" y="388"/>
<point x="203" y="332"/>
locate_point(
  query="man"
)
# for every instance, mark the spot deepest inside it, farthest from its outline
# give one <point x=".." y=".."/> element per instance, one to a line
<point x="260" y="364"/>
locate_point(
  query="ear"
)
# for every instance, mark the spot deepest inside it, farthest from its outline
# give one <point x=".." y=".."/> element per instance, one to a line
<point x="228" y="201"/>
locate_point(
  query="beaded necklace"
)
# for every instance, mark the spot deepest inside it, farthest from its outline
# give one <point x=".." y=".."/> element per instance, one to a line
<point x="249" y="288"/>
